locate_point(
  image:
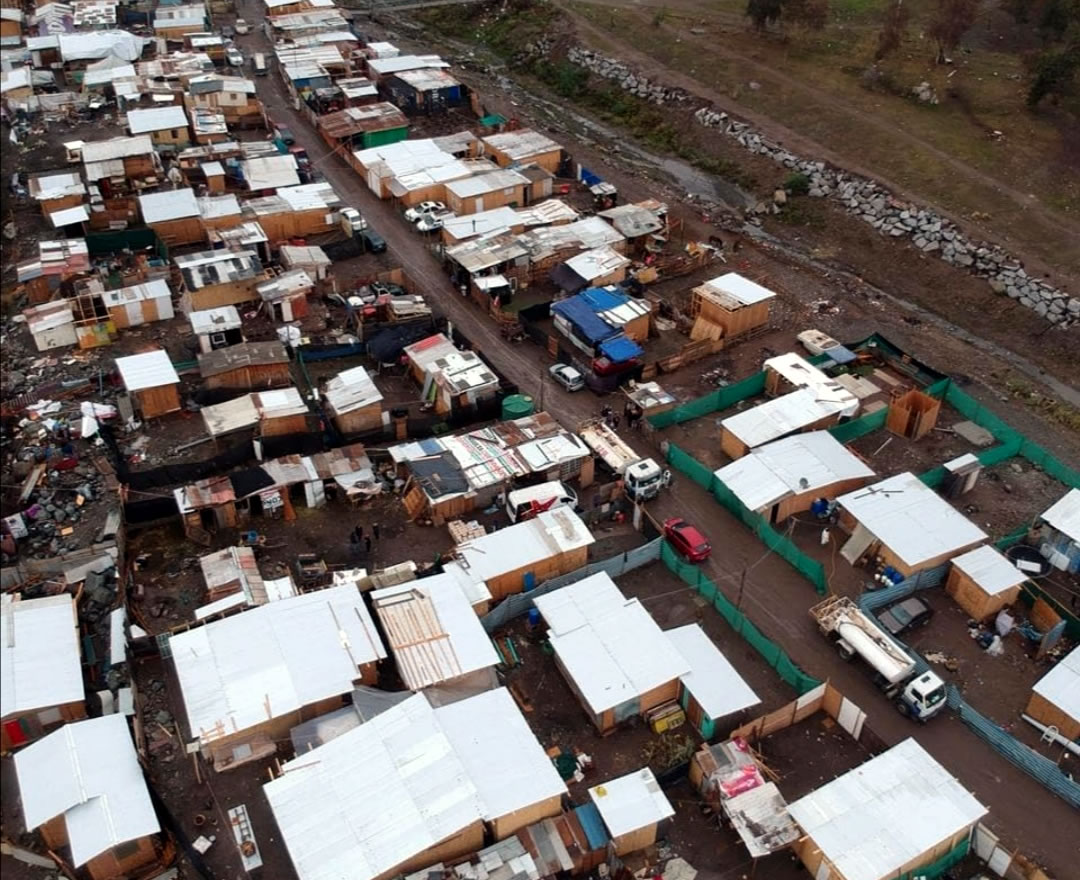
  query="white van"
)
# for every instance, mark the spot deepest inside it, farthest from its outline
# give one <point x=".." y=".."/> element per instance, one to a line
<point x="259" y="63"/>
<point x="523" y="504"/>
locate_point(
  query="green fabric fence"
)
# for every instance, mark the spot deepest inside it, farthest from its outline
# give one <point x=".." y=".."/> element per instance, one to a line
<point x="940" y="867"/>
<point x="772" y="653"/>
<point x="861" y="426"/>
<point x="714" y="401"/>
<point x="780" y="544"/>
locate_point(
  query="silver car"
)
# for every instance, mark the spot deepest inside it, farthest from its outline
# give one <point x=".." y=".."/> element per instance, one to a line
<point x="569" y="377"/>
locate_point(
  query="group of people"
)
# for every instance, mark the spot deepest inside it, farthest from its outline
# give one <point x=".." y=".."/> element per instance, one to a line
<point x="631" y="412"/>
<point x="358" y="538"/>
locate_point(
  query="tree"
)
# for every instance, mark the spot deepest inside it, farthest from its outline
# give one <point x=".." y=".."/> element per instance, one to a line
<point x="1057" y="17"/>
<point x="893" y="29"/>
<point x="952" y="19"/>
<point x="1054" y="73"/>
<point x="811" y="14"/>
<point x="764" y="12"/>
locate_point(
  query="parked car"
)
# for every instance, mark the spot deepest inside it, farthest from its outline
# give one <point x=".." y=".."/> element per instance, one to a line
<point x="373" y="242"/>
<point x="386" y="288"/>
<point x="284" y="134"/>
<point x="234" y="57"/>
<point x="687" y="540"/>
<point x="242" y="26"/>
<point x="569" y="377"/>
<point x="417" y="211"/>
<point x="906" y="614"/>
<point x="227" y="32"/>
<point x="433" y="222"/>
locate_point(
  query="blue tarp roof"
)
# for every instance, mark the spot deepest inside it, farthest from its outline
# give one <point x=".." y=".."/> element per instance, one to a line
<point x="589" y="325"/>
<point x="620" y="348"/>
<point x="601" y="299"/>
<point x="593" y="826"/>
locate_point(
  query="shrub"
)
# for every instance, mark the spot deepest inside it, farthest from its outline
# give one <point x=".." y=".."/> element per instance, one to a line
<point x="797" y="184"/>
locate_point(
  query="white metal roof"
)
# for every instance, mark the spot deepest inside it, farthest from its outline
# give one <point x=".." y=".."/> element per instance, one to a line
<point x="116" y="148"/>
<point x="157" y="119"/>
<point x="350" y="390"/>
<point x="56" y="186"/>
<point x="398" y="63"/>
<point x="551" y="533"/>
<point x="481" y="223"/>
<point x="151" y="369"/>
<point x="88" y="772"/>
<point x="713" y="682"/>
<point x="480" y="184"/>
<point x="156" y="289"/>
<point x="1061" y="685"/>
<point x="592" y="264"/>
<point x="40" y="663"/>
<point x="798" y="371"/>
<point x="378" y="795"/>
<point x="213" y="207"/>
<point x="434" y="633"/>
<point x="78" y="214"/>
<point x="215" y="320"/>
<point x="990" y="569"/>
<point x="238" y="672"/>
<point x="1064" y="515"/>
<point x="791" y="466"/>
<point x="175" y="204"/>
<point x="309" y="256"/>
<point x="733" y="290"/>
<point x="911" y="519"/>
<point x="780" y="416"/>
<point x="230" y="415"/>
<point x="522" y="144"/>
<point x="608" y="644"/>
<point x="877" y="818"/>
<point x="270" y="172"/>
<point x="631" y="802"/>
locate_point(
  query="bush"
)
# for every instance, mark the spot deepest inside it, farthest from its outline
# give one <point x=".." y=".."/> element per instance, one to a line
<point x="797" y="184"/>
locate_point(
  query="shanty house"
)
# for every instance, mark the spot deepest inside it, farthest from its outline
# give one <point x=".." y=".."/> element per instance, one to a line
<point x="1055" y="698"/>
<point x="786" y="476"/>
<point x="115" y="164"/>
<point x="175" y="22"/>
<point x="600" y="315"/>
<point x="83" y="788"/>
<point x="425" y="91"/>
<point x="353" y="401"/>
<point x="285" y="295"/>
<point x="174" y="215"/>
<point x="806" y="409"/>
<point x="359" y="128"/>
<point x="596" y="268"/>
<point x="232" y="580"/>
<point x="167" y="126"/>
<point x="311" y="259"/>
<point x="633" y="808"/>
<point x="269" y="173"/>
<point x="905" y="524"/>
<point x="41" y="683"/>
<point x="523" y="555"/>
<point x="58" y="260"/>
<point x="614" y="657"/>
<point x="151" y="380"/>
<point x="248" y="366"/>
<point x="259" y="414"/>
<point x="886" y="818"/>
<point x="58" y="191"/>
<point x="522" y="147"/>
<point x="713" y="689"/>
<point x="51" y="325"/>
<point x="217" y="328"/>
<point x="1059" y="532"/>
<point x="246" y="680"/>
<point x="139" y="304"/>
<point x="436" y="638"/>
<point x="983" y="581"/>
<point x="450" y="378"/>
<point x="728" y="307"/>
<point x="382" y="810"/>
<point x="471" y="195"/>
<point x="219" y="278"/>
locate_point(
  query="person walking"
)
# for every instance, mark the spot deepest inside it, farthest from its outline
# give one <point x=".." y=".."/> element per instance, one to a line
<point x="358" y="534"/>
<point x="367" y="544"/>
<point x="375" y="530"/>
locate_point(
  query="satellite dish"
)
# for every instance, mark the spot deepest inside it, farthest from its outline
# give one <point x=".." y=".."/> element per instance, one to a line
<point x="804" y="483"/>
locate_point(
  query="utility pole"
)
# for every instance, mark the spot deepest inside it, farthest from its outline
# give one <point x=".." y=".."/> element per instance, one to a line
<point x="742" y="584"/>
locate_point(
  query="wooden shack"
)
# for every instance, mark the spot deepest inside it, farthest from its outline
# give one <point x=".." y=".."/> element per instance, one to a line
<point x="151" y="380"/>
<point x="484" y="192"/>
<point x="354" y="403"/>
<point x="728" y="307"/>
<point x="216" y="278"/>
<point x="1055" y="699"/>
<point x="913" y="415"/>
<point x="174" y="215"/>
<point x="139" y="304"/>
<point x="983" y="581"/>
<point x="206" y="506"/>
<point x="522" y="147"/>
<point x="249" y="366"/>
<point x="633" y="808"/>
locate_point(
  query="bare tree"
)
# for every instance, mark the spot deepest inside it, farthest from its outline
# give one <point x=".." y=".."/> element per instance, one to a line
<point x="952" y="19"/>
<point x="764" y="12"/>
<point x="893" y="29"/>
<point x="811" y="14"/>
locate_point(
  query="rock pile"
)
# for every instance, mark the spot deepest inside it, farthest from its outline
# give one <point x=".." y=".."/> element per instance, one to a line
<point x="614" y="70"/>
<point x="929" y="232"/>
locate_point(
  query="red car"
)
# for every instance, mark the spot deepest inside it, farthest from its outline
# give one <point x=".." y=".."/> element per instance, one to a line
<point x="687" y="540"/>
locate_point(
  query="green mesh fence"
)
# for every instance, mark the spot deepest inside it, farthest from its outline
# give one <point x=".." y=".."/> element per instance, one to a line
<point x="934" y="477"/>
<point x="772" y="653"/>
<point x="938" y="868"/>
<point x="781" y="545"/>
<point x="714" y="401"/>
<point x="857" y="428"/>
<point x="1039" y="457"/>
<point x="939" y="388"/>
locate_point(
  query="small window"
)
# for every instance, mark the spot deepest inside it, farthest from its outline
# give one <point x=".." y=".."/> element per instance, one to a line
<point x="126" y="850"/>
<point x="175" y="133"/>
<point x="50" y="716"/>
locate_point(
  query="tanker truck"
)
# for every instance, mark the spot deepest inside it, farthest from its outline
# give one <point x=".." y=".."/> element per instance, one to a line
<point x="917" y="695"/>
<point x="641" y="476"/>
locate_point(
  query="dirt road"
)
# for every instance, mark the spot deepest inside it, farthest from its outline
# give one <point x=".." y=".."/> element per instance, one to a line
<point x="776" y="597"/>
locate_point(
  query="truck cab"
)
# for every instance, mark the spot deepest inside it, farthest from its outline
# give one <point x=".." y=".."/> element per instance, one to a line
<point x="643" y="479"/>
<point x="351" y="221"/>
<point x="923" y="697"/>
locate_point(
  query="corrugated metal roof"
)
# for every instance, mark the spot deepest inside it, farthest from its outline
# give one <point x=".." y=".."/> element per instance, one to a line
<point x="160" y="207"/>
<point x="798" y="371"/>
<point x="40" y="663"/>
<point x="522" y="144"/>
<point x="1064" y="515"/>
<point x="427" y="79"/>
<point x="493" y="181"/>
<point x="596" y="263"/>
<point x="780" y="416"/>
<point x="876" y="819"/>
<point x="156" y="119"/>
<point x="1061" y="685"/>
<point x="152" y="369"/>
<point x="56" y="186"/>
<point x="713" y="682"/>
<point x="434" y="633"/>
<point x="911" y="519"/>
<point x="287" y="284"/>
<point x="215" y="320"/>
<point x="550" y="534"/>
<point x="270" y="172"/>
<point x="350" y="390"/>
<point x="241" y="671"/>
<point x="732" y="290"/>
<point x="230" y="415"/>
<point x="791" y="466"/>
<point x="631" y="802"/>
<point x="399" y="63"/>
<point x="156" y="289"/>
<point x="609" y="645"/>
<point x="87" y="772"/>
<point x="369" y="118"/>
<point x="990" y="569"/>
<point x="244" y="354"/>
<point x="78" y="214"/>
<point x="116" y="148"/>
